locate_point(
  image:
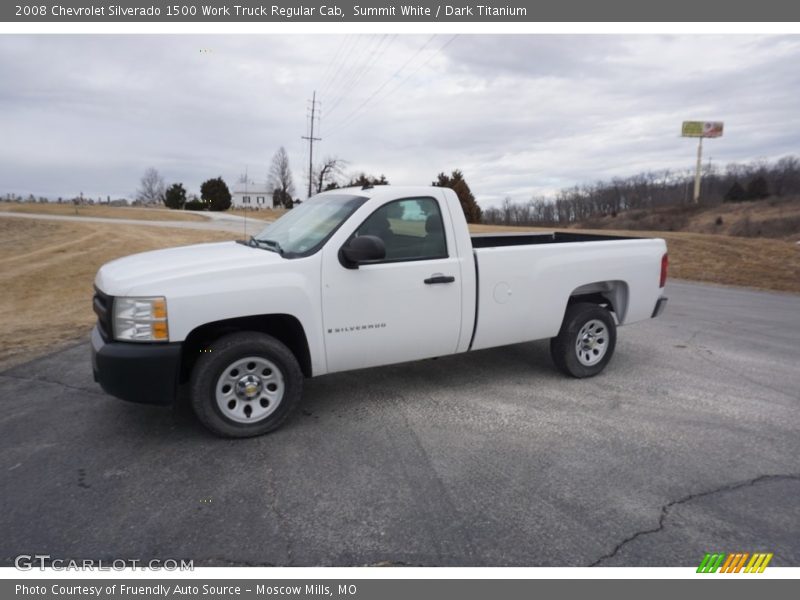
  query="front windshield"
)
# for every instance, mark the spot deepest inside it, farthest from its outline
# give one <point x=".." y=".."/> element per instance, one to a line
<point x="303" y="229"/>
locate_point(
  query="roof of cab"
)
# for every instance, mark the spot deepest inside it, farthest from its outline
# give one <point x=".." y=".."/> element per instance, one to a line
<point x="396" y="191"/>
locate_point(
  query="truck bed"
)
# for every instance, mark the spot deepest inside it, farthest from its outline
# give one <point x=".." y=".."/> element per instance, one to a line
<point x="492" y="240"/>
<point x="525" y="281"/>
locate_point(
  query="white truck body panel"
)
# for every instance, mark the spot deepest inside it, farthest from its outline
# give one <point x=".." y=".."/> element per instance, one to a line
<point x="523" y="290"/>
<point x="392" y="298"/>
<point x="205" y="283"/>
<point x="383" y="313"/>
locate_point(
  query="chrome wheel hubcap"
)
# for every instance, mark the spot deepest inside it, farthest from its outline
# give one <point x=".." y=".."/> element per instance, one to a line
<point x="592" y="342"/>
<point x="249" y="389"/>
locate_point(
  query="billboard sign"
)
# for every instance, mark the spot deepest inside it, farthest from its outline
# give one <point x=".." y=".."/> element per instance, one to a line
<point x="702" y="129"/>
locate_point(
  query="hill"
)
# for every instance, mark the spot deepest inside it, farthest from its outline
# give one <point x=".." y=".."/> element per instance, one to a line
<point x="776" y="218"/>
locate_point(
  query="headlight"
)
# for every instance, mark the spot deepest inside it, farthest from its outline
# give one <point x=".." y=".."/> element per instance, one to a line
<point x="141" y="319"/>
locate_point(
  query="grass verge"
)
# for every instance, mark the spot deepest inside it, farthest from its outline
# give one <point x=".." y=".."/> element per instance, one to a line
<point x="47" y="269"/>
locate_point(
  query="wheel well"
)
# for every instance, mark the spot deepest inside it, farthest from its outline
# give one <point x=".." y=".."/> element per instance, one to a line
<point x="612" y="294"/>
<point x="285" y="328"/>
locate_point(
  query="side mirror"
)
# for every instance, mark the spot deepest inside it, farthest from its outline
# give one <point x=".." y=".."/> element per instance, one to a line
<point x="362" y="249"/>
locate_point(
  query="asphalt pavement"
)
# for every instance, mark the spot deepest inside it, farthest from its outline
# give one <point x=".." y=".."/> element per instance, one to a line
<point x="215" y="221"/>
<point x="688" y="443"/>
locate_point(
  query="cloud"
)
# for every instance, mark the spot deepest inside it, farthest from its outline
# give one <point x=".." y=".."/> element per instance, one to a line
<point x="519" y="114"/>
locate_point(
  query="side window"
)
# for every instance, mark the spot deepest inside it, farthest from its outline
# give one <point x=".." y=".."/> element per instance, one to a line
<point x="411" y="229"/>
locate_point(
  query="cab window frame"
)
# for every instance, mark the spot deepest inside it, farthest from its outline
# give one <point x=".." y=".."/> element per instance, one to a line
<point x="439" y="210"/>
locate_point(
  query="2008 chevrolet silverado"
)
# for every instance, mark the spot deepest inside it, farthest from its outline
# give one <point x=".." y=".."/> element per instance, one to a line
<point x="355" y="278"/>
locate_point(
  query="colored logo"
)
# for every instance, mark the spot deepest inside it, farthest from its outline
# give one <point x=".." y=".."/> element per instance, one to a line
<point x="734" y="562"/>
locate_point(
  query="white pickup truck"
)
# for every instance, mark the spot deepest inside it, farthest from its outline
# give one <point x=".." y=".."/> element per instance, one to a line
<point x="355" y="278"/>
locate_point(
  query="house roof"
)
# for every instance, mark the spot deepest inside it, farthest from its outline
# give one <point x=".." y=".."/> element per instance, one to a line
<point x="252" y="189"/>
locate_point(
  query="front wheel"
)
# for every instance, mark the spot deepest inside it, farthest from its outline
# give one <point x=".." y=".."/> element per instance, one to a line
<point x="586" y="341"/>
<point x="247" y="385"/>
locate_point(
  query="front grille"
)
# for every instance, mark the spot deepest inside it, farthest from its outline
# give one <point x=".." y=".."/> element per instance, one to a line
<point x="102" y="308"/>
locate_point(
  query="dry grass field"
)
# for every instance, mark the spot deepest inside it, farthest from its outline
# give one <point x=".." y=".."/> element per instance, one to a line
<point x="106" y="212"/>
<point x="776" y="218"/>
<point x="47" y="269"/>
<point x="46" y="273"/>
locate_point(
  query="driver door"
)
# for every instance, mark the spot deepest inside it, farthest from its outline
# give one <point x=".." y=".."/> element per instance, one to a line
<point x="405" y="307"/>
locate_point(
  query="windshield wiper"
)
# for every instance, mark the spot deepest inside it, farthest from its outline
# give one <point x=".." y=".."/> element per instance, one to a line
<point x="272" y="245"/>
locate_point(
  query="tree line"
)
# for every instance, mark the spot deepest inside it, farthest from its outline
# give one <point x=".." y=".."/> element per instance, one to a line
<point x="736" y="182"/>
<point x="328" y="175"/>
<point x="214" y="193"/>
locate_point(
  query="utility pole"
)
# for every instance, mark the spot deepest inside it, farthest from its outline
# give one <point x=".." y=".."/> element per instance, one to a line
<point x="697" y="170"/>
<point x="700" y="130"/>
<point x="311" y="139"/>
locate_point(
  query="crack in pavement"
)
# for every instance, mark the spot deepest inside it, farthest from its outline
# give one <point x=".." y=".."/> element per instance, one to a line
<point x="738" y="373"/>
<point x="71" y="344"/>
<point x="51" y="382"/>
<point x="665" y="509"/>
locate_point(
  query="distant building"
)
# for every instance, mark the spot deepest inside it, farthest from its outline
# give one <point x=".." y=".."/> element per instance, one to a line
<point x="251" y="195"/>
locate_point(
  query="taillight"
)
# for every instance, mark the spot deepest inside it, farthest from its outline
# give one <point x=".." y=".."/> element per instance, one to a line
<point x="664" y="265"/>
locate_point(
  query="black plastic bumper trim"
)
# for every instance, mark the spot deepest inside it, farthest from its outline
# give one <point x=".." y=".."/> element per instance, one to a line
<point x="144" y="373"/>
<point x="660" y="306"/>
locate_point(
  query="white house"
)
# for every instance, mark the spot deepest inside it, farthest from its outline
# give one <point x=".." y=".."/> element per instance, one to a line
<point x="251" y="195"/>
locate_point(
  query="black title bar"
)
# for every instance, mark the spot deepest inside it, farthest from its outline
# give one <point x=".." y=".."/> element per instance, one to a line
<point x="339" y="11"/>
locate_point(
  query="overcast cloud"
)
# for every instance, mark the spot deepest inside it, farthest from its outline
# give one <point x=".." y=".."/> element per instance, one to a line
<point x="521" y="115"/>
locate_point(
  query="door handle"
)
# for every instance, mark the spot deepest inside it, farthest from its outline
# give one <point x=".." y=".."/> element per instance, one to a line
<point x="439" y="278"/>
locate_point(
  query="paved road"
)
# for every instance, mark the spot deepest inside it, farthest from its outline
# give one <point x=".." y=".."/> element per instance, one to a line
<point x="689" y="442"/>
<point x="214" y="221"/>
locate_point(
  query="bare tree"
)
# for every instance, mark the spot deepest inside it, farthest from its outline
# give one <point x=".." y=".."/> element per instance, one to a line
<point x="327" y="175"/>
<point x="151" y="187"/>
<point x="280" y="178"/>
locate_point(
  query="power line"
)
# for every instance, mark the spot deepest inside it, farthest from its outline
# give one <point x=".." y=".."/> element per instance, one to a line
<point x="352" y="49"/>
<point x="332" y="62"/>
<point x="353" y="81"/>
<point x="348" y="45"/>
<point x="385" y="83"/>
<point x="346" y="66"/>
<point x="353" y="116"/>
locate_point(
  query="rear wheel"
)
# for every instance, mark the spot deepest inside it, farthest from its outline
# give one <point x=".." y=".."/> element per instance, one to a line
<point x="586" y="341"/>
<point x="248" y="384"/>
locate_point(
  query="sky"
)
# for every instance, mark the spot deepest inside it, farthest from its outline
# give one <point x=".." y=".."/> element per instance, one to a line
<point x="520" y="115"/>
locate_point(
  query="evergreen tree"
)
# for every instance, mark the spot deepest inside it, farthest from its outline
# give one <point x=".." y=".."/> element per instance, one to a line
<point x="367" y="180"/>
<point x="175" y="196"/>
<point x="736" y="193"/>
<point x="215" y="192"/>
<point x="459" y="185"/>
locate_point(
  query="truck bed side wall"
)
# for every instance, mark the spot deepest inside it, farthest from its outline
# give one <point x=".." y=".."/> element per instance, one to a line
<point x="524" y="290"/>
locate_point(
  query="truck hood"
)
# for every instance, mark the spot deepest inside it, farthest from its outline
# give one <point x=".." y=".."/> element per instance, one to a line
<point x="152" y="273"/>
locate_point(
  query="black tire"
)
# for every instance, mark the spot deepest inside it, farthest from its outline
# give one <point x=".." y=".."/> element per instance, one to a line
<point x="571" y="359"/>
<point x="212" y="373"/>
